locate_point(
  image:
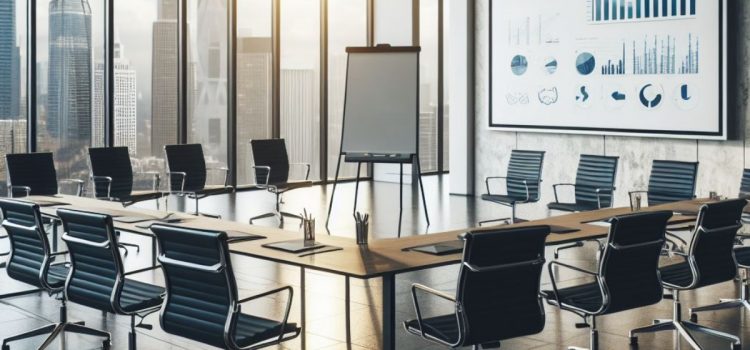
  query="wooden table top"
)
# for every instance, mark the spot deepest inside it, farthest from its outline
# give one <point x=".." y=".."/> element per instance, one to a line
<point x="380" y="257"/>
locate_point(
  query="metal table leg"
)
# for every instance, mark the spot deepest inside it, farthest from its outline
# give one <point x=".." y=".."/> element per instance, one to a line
<point x="303" y="326"/>
<point x="348" y="311"/>
<point x="389" y="311"/>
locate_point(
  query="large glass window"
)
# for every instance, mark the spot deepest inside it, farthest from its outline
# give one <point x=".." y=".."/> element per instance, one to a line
<point x="347" y="26"/>
<point x="300" y="84"/>
<point x="428" y="86"/>
<point x="446" y="94"/>
<point x="393" y="24"/>
<point x="70" y="55"/>
<point x="254" y="80"/>
<point x="12" y="80"/>
<point x="207" y="82"/>
<point x="146" y="91"/>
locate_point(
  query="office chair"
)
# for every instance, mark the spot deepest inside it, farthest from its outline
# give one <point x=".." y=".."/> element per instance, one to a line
<point x="594" y="189"/>
<point x="202" y="303"/>
<point x="670" y="181"/>
<point x="112" y="178"/>
<point x="522" y="182"/>
<point x="627" y="276"/>
<point x="187" y="173"/>
<point x="710" y="260"/>
<point x="497" y="296"/>
<point x="34" y="174"/>
<point x="32" y="261"/>
<point x="272" y="173"/>
<point x="98" y="278"/>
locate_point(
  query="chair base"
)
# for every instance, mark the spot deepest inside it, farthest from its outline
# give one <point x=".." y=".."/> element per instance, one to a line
<point x="56" y="329"/>
<point x="725" y="304"/>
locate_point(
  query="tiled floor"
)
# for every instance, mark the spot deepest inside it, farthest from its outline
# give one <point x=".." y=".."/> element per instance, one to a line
<point x="325" y="292"/>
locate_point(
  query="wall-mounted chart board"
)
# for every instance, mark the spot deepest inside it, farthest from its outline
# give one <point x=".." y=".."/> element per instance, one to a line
<point x="622" y="67"/>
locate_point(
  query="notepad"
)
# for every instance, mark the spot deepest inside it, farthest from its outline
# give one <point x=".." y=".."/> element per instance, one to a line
<point x="441" y="248"/>
<point x="295" y="246"/>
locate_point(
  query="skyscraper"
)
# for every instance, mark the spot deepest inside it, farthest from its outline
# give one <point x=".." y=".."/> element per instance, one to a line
<point x="254" y="82"/>
<point x="10" y="62"/>
<point x="164" y="91"/>
<point x="125" y="103"/>
<point x="300" y="123"/>
<point x="70" y="76"/>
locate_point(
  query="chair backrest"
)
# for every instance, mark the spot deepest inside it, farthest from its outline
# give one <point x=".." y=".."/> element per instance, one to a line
<point x="671" y="181"/>
<point x="201" y="289"/>
<point x="186" y="159"/>
<point x="595" y="172"/>
<point x="745" y="184"/>
<point x="498" y="284"/>
<point x="525" y="165"/>
<point x="271" y="153"/>
<point x="113" y="162"/>
<point x="29" y="247"/>
<point x="97" y="275"/>
<point x="629" y="265"/>
<point x="33" y="170"/>
<point x="711" y="253"/>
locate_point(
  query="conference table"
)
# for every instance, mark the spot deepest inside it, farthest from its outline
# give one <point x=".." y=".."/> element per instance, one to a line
<point x="381" y="258"/>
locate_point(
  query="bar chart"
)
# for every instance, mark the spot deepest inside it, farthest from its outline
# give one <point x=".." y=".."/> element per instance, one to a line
<point x="615" y="67"/>
<point x="659" y="56"/>
<point x="634" y="10"/>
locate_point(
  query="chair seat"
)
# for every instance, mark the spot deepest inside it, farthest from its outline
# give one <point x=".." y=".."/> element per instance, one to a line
<point x="742" y="254"/>
<point x="570" y="207"/>
<point x="252" y="330"/>
<point x="56" y="275"/>
<point x="678" y="275"/>
<point x="586" y="296"/>
<point x="443" y="327"/>
<point x="281" y="187"/>
<point x="212" y="190"/>
<point x="138" y="296"/>
<point x="502" y="199"/>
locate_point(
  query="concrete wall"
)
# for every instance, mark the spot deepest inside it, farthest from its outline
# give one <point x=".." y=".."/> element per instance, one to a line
<point x="721" y="163"/>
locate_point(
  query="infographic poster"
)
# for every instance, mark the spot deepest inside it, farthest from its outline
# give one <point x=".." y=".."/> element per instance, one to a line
<point x="623" y="67"/>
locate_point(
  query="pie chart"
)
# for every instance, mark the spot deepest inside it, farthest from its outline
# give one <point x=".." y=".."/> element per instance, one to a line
<point x="585" y="63"/>
<point x="519" y="64"/>
<point x="550" y="66"/>
<point x="651" y="96"/>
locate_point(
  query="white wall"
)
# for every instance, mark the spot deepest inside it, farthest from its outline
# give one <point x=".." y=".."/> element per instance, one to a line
<point x="721" y="163"/>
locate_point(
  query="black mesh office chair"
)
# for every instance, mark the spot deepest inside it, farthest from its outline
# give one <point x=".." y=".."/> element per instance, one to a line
<point x="202" y="303"/>
<point x="187" y="174"/>
<point x="710" y="260"/>
<point x="271" y="165"/>
<point x="497" y="296"/>
<point x="670" y="181"/>
<point x="594" y="189"/>
<point x="34" y="174"/>
<point x="112" y="177"/>
<point x="628" y="273"/>
<point x="33" y="262"/>
<point x="522" y="182"/>
<point x="98" y="279"/>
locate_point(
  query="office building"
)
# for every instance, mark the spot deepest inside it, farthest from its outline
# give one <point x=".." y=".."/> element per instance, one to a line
<point x="254" y="89"/>
<point x="164" y="100"/>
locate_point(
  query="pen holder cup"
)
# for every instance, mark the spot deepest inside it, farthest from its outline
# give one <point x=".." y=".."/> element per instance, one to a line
<point x="363" y="231"/>
<point x="637" y="200"/>
<point x="308" y="228"/>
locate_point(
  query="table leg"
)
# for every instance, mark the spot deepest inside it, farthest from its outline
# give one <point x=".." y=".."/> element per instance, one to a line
<point x="303" y="325"/>
<point x="153" y="250"/>
<point x="389" y="311"/>
<point x="348" y="311"/>
<point x="54" y="235"/>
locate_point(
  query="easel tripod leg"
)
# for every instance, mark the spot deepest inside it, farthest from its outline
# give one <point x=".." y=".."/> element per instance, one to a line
<point x="333" y="192"/>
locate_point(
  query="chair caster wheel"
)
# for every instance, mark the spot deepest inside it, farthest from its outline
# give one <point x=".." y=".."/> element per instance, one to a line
<point x="634" y="341"/>
<point x="694" y="318"/>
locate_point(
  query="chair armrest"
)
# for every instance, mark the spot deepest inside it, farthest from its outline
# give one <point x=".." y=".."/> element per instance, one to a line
<point x="606" y="190"/>
<point x="555" y="186"/>
<point x="306" y="165"/>
<point x="26" y="189"/>
<point x="182" y="176"/>
<point x="77" y="182"/>
<point x="226" y="173"/>
<point x="105" y="179"/>
<point x="156" y="176"/>
<point x="429" y="291"/>
<point x="554" y="281"/>
<point x="268" y="174"/>
<point x="288" y="308"/>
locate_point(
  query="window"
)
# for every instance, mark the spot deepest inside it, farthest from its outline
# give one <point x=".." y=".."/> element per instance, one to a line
<point x="69" y="47"/>
<point x="207" y="81"/>
<point x="347" y="26"/>
<point x="393" y="24"/>
<point x="254" y="80"/>
<point x="428" y="86"/>
<point x="12" y="80"/>
<point x="300" y="84"/>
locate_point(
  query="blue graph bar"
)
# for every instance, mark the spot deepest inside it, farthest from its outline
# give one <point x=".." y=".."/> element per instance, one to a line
<point x="656" y="8"/>
<point x="665" y="8"/>
<point x="598" y="4"/>
<point x="674" y="7"/>
<point x="692" y="7"/>
<point x="648" y="9"/>
<point x="606" y="10"/>
<point x="638" y="8"/>
<point x="683" y="7"/>
<point x="621" y="10"/>
<point x="630" y="10"/>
